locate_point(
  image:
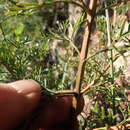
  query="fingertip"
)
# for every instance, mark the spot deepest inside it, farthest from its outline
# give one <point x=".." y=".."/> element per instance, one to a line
<point x="29" y="89"/>
<point x="26" y="86"/>
<point x="17" y="100"/>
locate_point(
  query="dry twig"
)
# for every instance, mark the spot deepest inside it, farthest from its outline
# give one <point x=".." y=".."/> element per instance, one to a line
<point x="85" y="45"/>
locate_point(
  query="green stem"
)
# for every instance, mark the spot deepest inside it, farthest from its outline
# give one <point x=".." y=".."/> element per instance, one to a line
<point x="110" y="54"/>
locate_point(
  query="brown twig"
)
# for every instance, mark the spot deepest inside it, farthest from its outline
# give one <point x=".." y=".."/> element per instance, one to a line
<point x="88" y="87"/>
<point x="66" y="92"/>
<point x="98" y="78"/>
<point x="85" y="45"/>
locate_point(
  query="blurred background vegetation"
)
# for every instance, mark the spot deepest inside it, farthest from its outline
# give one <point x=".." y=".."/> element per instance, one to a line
<point x="41" y="40"/>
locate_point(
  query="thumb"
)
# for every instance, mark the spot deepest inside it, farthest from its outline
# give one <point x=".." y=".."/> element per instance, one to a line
<point x="17" y="100"/>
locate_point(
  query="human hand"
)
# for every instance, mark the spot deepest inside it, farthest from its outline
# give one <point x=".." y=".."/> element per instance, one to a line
<point x="17" y="100"/>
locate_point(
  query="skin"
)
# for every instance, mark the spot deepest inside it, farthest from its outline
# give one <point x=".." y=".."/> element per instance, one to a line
<point x="57" y="114"/>
<point x="17" y="101"/>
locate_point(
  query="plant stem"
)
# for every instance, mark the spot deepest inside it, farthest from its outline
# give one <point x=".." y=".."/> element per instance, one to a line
<point x="108" y="25"/>
<point x="85" y="45"/>
<point x="110" y="54"/>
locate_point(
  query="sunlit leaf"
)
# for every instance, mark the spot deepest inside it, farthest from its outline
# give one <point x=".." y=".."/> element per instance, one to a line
<point x="19" y="30"/>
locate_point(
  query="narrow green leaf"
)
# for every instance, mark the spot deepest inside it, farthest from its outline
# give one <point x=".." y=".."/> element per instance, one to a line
<point x="27" y="4"/>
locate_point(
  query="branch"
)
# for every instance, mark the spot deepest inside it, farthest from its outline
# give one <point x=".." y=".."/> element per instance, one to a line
<point x="98" y="78"/>
<point x="85" y="45"/>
